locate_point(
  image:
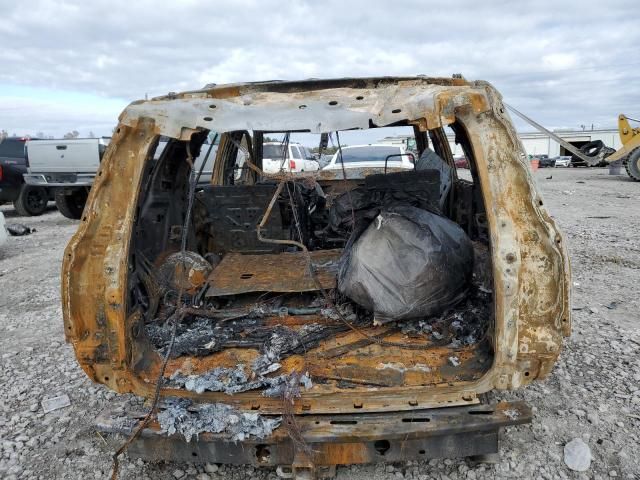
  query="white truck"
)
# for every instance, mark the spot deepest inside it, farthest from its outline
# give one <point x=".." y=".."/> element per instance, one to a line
<point x="67" y="168"/>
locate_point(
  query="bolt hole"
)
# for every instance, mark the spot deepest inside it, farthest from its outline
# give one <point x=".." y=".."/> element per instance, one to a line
<point x="207" y="119"/>
<point x="212" y="106"/>
<point x="302" y="107"/>
<point x="396" y="110"/>
<point x="540" y="202"/>
<point x="263" y="453"/>
<point x="381" y="446"/>
<point x="333" y="102"/>
<point x="526" y="374"/>
<point x="106" y="379"/>
<point x="194" y="454"/>
<point x="359" y="97"/>
<point x="245" y="276"/>
<point x="421" y="452"/>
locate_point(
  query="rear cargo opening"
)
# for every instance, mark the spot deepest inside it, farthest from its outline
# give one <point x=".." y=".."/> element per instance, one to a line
<point x="266" y="313"/>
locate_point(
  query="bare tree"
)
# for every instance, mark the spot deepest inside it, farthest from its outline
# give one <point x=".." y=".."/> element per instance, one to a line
<point x="72" y="134"/>
<point x="91" y="134"/>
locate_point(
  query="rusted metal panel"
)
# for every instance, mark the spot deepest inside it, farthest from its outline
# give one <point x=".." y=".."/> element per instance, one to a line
<point x="335" y="107"/>
<point x="340" y="439"/>
<point x="285" y="272"/>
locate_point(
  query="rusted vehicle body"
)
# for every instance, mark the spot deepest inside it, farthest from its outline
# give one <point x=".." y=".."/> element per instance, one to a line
<point x="375" y="393"/>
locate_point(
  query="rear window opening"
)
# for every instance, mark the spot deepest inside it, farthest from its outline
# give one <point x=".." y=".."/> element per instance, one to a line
<point x="258" y="317"/>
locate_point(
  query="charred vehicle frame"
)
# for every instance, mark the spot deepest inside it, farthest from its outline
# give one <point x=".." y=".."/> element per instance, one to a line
<point x="196" y="293"/>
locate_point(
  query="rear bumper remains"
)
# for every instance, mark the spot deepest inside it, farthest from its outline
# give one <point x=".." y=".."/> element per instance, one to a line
<point x="329" y="440"/>
<point x="57" y="179"/>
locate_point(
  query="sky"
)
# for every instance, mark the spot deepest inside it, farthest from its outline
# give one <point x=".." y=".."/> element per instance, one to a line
<point x="75" y="65"/>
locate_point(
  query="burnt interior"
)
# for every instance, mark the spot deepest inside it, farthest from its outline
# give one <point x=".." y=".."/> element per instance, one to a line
<point x="254" y="308"/>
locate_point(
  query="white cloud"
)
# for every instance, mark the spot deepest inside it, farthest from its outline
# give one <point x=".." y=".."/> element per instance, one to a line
<point x="565" y="63"/>
<point x="559" y="61"/>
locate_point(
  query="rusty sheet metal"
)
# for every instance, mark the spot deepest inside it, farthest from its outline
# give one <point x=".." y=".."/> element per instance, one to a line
<point x="342" y="105"/>
<point x="337" y="439"/>
<point x="284" y="272"/>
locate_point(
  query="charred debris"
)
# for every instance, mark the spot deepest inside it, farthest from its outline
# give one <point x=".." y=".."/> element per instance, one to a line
<point x="286" y="281"/>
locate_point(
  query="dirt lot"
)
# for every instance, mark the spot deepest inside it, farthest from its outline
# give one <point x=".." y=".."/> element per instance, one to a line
<point x="593" y="393"/>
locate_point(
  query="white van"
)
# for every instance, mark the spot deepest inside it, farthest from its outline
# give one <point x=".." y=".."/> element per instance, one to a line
<point x="298" y="159"/>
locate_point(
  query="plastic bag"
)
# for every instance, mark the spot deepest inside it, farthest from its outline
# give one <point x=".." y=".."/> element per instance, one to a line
<point x="408" y="263"/>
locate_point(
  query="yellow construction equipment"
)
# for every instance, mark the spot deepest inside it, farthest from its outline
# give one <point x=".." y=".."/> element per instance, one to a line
<point x="629" y="153"/>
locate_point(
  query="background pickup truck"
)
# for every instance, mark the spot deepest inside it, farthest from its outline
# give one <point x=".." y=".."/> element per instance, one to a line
<point x="66" y="168"/>
<point x="27" y="200"/>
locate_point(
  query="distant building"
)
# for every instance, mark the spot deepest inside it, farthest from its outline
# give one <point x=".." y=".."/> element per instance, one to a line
<point x="535" y="143"/>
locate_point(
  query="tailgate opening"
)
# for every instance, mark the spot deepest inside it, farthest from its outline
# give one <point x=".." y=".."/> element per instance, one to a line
<point x="260" y="325"/>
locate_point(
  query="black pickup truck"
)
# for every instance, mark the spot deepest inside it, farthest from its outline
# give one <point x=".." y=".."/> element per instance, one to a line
<point x="27" y="199"/>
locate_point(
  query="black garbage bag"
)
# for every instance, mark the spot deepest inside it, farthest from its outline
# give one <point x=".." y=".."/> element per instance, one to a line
<point x="408" y="263"/>
<point x="420" y="188"/>
<point x="18" y="229"/>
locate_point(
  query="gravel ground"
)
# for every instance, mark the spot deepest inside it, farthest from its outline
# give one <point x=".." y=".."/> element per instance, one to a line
<point x="593" y="393"/>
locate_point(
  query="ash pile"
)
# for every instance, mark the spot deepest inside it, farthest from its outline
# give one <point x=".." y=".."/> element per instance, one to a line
<point x="382" y="255"/>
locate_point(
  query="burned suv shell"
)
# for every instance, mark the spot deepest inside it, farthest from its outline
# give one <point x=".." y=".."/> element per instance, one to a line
<point x="529" y="264"/>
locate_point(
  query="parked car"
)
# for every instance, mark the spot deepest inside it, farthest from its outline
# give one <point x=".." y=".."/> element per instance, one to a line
<point x="563" y="161"/>
<point x="298" y="158"/>
<point x="545" y="161"/>
<point x="372" y="155"/>
<point x="3" y="230"/>
<point x="461" y="162"/>
<point x="27" y="199"/>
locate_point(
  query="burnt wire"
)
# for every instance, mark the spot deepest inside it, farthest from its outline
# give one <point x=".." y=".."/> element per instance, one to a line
<point x="206" y="157"/>
<point x="314" y="277"/>
<point x="344" y="178"/>
<point x="285" y="149"/>
<point x="177" y="317"/>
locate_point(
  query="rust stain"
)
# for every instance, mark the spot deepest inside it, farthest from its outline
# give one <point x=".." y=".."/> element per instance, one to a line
<point x="285" y="272"/>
